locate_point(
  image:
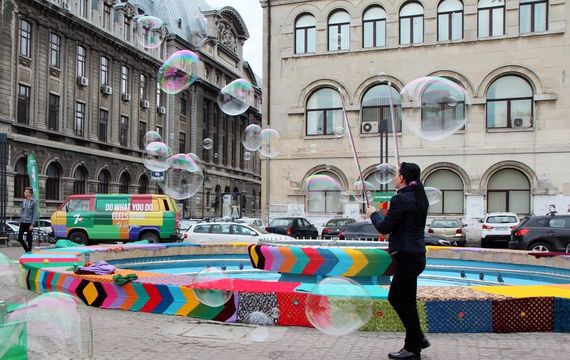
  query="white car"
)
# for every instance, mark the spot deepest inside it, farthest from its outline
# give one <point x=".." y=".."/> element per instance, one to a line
<point x="251" y="221"/>
<point x="496" y="230"/>
<point x="227" y="232"/>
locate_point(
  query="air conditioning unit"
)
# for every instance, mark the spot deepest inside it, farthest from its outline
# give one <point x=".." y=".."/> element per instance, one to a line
<point x="369" y="127"/>
<point x="126" y="97"/>
<point x="65" y="6"/>
<point x="145" y="104"/>
<point x="107" y="90"/>
<point x="82" y="81"/>
<point x="161" y="110"/>
<point x="521" y="122"/>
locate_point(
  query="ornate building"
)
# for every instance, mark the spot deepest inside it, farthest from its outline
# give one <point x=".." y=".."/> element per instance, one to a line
<point x="81" y="93"/>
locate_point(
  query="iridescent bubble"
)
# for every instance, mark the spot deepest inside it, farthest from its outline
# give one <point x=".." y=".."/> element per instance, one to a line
<point x="178" y="72"/>
<point x="338" y="306"/>
<point x="155" y="156"/>
<point x="212" y="286"/>
<point x="270" y="143"/>
<point x="236" y="97"/>
<point x="274" y="313"/>
<point x="247" y="156"/>
<point x="215" y="155"/>
<point x="339" y="131"/>
<point x="150" y="137"/>
<point x="184" y="177"/>
<point x="364" y="191"/>
<point x="207" y="143"/>
<point x="385" y="173"/>
<point x="150" y="31"/>
<point x="261" y="320"/>
<point x="321" y="189"/>
<point x="344" y="197"/>
<point x="196" y="159"/>
<point x="433" y="195"/>
<point x="251" y="137"/>
<point x="436" y="107"/>
<point x="313" y="148"/>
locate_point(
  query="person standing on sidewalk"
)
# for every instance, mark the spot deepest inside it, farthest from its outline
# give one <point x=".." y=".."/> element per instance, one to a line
<point x="28" y="215"/>
<point x="405" y="222"/>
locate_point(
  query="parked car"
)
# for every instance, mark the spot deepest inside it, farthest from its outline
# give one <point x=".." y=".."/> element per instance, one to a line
<point x="366" y="231"/>
<point x="296" y="227"/>
<point x="251" y="221"/>
<point x="542" y="233"/>
<point x="333" y="227"/>
<point x="438" y="240"/>
<point x="186" y="223"/>
<point x="226" y="232"/>
<point x="450" y="228"/>
<point x="496" y="230"/>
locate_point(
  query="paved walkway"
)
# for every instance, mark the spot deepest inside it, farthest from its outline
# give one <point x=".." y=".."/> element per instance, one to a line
<point x="129" y="335"/>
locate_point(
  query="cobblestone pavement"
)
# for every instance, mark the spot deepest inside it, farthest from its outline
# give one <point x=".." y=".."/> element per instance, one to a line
<point x="127" y="335"/>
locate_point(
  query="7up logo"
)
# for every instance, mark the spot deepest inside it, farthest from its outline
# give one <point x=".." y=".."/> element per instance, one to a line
<point x="78" y="219"/>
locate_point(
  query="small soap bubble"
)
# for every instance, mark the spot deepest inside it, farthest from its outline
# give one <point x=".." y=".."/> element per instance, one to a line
<point x="150" y="31"/>
<point x="178" y="72"/>
<point x="236" y="97"/>
<point x="251" y="137"/>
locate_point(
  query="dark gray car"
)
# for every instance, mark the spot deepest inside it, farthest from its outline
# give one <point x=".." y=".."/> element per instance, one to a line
<point x="367" y="231"/>
<point x="296" y="227"/>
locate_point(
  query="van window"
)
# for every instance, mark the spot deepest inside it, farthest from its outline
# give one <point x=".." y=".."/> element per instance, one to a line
<point x="166" y="206"/>
<point x="78" y="205"/>
<point x="202" y="229"/>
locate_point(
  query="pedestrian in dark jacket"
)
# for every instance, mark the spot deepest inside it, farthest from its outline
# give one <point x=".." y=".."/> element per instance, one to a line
<point x="28" y="215"/>
<point x="405" y="222"/>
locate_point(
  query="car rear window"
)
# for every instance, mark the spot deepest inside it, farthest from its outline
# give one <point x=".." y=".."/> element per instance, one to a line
<point x="339" y="222"/>
<point x="502" y="219"/>
<point x="280" y="222"/>
<point x="445" y="224"/>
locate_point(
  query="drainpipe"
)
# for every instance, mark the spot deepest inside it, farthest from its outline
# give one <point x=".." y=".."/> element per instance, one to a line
<point x="268" y="89"/>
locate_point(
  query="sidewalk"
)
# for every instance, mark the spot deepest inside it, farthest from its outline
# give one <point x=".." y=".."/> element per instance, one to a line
<point x="131" y="335"/>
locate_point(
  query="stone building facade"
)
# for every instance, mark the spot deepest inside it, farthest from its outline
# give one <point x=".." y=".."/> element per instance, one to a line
<point x="509" y="56"/>
<point x="80" y="93"/>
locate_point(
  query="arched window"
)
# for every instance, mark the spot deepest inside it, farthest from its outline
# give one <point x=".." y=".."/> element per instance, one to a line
<point x="450" y="20"/>
<point x="376" y="109"/>
<point x="305" y="34"/>
<point x="323" y="198"/>
<point x="104" y="180"/>
<point x="52" y="182"/>
<point x="324" y="112"/>
<point x="21" y="180"/>
<point x="510" y="103"/>
<point x="412" y="23"/>
<point x="451" y="187"/>
<point x="124" y="183"/>
<point x="491" y="18"/>
<point x="374" y="27"/>
<point x="438" y="111"/>
<point x="143" y="184"/>
<point x="508" y="190"/>
<point x="533" y="16"/>
<point x="339" y="31"/>
<point x="80" y="180"/>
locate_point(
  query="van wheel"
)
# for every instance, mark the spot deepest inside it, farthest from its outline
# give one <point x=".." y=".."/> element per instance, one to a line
<point x="79" y="237"/>
<point x="540" y="246"/>
<point x="150" y="236"/>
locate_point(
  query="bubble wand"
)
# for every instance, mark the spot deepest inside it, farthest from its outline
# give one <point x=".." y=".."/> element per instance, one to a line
<point x="392" y="117"/>
<point x="353" y="147"/>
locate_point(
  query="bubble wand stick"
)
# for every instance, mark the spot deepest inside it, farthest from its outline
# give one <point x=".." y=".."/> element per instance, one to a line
<point x="392" y="117"/>
<point x="353" y="147"/>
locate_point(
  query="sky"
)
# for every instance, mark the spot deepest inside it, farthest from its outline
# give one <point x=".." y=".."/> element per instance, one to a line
<point x="251" y="13"/>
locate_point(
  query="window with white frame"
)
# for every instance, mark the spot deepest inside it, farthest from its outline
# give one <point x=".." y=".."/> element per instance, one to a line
<point x="510" y="103"/>
<point x="451" y="187"/>
<point x="305" y="34"/>
<point x="322" y="198"/>
<point x="79" y="124"/>
<point x="339" y="31"/>
<point x="374" y="27"/>
<point x="324" y="112"/>
<point x="491" y="18"/>
<point x="508" y="190"/>
<point x="411" y="23"/>
<point x="450" y="20"/>
<point x="533" y="16"/>
<point x="438" y="111"/>
<point x="124" y="79"/>
<point x="25" y="38"/>
<point x="54" y="50"/>
<point x="81" y="61"/>
<point x="376" y="110"/>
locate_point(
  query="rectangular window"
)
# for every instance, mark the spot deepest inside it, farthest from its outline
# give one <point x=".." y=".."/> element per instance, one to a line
<point x="483" y="25"/>
<point x="142" y="88"/>
<point x="418" y="29"/>
<point x="25" y="35"/>
<point x="142" y="132"/>
<point x="159" y="130"/>
<point x="23" y="104"/>
<point x="127" y="29"/>
<point x="405" y="36"/>
<point x="497" y="114"/>
<point x="182" y="108"/>
<point x="79" y="124"/>
<point x="498" y="21"/>
<point x="532" y="16"/>
<point x="368" y="34"/>
<point x="106" y="16"/>
<point x="457" y="26"/>
<point x="158" y="95"/>
<point x="182" y="143"/>
<point x="380" y="33"/>
<point x="81" y="56"/>
<point x="83" y="8"/>
<point x="104" y="71"/>
<point x="103" y="124"/>
<point x="53" y="115"/>
<point x="124" y="80"/>
<point x="54" y="50"/>
<point x="124" y="131"/>
<point x="374" y="33"/>
<point x="443" y="27"/>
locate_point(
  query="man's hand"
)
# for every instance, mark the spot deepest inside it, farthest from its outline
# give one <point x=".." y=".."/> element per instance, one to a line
<point x="370" y="210"/>
<point x="31" y="227"/>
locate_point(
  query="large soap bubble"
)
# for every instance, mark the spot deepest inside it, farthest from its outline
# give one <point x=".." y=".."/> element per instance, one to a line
<point x="155" y="156"/>
<point x="270" y="143"/>
<point x="236" y="97"/>
<point x="364" y="191"/>
<point x="323" y="190"/>
<point x="433" y="195"/>
<point x="212" y="287"/>
<point x="338" y="306"/>
<point x="251" y="137"/>
<point x="150" y="31"/>
<point x="183" y="178"/>
<point x="178" y="72"/>
<point x="435" y="107"/>
<point x="385" y="173"/>
<point x="150" y="137"/>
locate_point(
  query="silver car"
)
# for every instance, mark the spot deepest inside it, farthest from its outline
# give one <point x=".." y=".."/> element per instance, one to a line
<point x="227" y="232"/>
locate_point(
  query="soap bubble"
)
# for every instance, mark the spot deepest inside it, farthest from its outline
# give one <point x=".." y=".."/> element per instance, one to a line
<point x="251" y="137"/>
<point x="150" y="31"/>
<point x="338" y="306"/>
<point x="196" y="159"/>
<point x="321" y="189"/>
<point x="184" y="177"/>
<point x="178" y="72"/>
<point x="433" y="195"/>
<point x="262" y="320"/>
<point x="339" y="131"/>
<point x="436" y="107"/>
<point x="364" y="191"/>
<point x="270" y="144"/>
<point x="150" y="137"/>
<point x="236" y="97"/>
<point x="385" y="173"/>
<point x="207" y="143"/>
<point x="247" y="156"/>
<point x="344" y="197"/>
<point x="155" y="156"/>
<point x="212" y="287"/>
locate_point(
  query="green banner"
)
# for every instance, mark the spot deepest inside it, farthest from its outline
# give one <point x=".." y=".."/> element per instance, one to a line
<point x="383" y="196"/>
<point x="33" y="175"/>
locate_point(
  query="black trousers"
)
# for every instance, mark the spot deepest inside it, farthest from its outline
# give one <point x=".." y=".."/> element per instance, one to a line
<point x="25" y="228"/>
<point x="402" y="296"/>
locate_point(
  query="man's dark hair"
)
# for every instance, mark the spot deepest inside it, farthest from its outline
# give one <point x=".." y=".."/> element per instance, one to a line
<point x="29" y="189"/>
